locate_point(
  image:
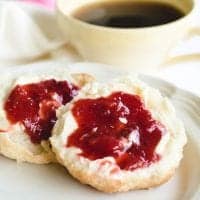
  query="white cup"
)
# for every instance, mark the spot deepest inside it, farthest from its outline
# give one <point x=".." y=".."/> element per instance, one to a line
<point x="135" y="49"/>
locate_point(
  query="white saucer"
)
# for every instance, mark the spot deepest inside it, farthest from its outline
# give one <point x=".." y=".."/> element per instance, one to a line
<point x="30" y="182"/>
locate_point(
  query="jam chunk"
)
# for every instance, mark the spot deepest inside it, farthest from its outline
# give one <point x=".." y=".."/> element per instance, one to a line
<point x="118" y="126"/>
<point x="33" y="106"/>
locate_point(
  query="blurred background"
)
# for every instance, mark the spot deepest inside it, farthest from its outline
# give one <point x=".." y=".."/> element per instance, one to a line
<point x="29" y="33"/>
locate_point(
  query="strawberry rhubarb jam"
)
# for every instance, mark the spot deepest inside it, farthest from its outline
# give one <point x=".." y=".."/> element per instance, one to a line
<point x="34" y="105"/>
<point x="119" y="126"/>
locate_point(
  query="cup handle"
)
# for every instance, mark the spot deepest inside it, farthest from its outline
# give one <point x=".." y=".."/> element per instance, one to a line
<point x="194" y="31"/>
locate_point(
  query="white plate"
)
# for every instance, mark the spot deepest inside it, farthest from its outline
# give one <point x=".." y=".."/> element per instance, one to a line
<point x="30" y="182"/>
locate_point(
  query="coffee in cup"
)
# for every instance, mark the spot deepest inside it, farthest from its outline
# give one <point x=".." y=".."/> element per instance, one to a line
<point x="128" y="14"/>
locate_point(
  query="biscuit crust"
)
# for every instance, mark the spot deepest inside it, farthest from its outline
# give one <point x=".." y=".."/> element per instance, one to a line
<point x="109" y="185"/>
<point x="20" y="153"/>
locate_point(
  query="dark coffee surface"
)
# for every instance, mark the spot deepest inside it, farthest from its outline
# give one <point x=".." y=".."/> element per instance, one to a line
<point x="128" y="14"/>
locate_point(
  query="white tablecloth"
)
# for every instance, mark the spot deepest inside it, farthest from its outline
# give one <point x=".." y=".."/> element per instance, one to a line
<point x="29" y="33"/>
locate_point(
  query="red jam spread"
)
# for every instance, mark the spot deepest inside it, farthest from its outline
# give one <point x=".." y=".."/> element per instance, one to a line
<point x="119" y="126"/>
<point x="34" y="105"/>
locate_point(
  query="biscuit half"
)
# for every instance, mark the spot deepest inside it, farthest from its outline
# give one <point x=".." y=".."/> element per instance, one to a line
<point x="103" y="173"/>
<point x="14" y="141"/>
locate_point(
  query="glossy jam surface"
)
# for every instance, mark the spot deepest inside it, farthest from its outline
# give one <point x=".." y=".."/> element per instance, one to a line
<point x="34" y="105"/>
<point x="119" y="126"/>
